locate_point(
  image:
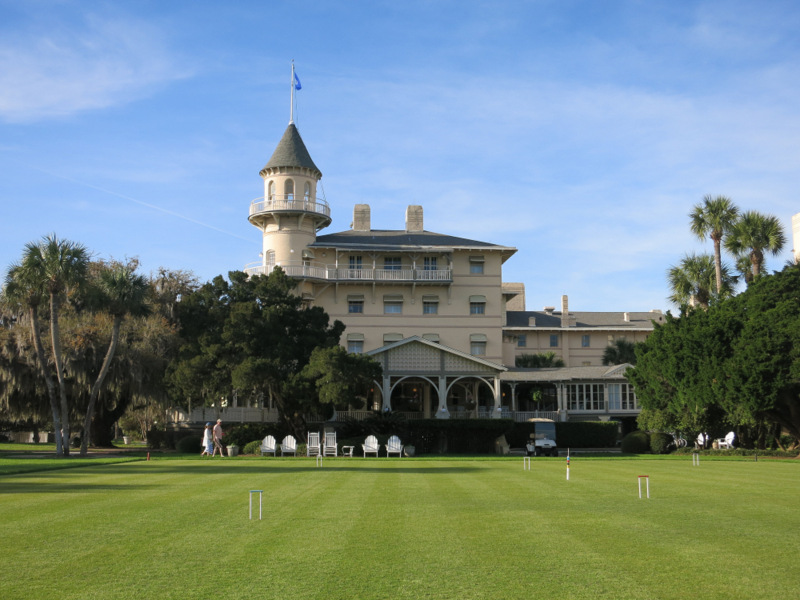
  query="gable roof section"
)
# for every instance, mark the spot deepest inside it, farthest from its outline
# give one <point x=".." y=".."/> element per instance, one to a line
<point x="418" y="355"/>
<point x="291" y="152"/>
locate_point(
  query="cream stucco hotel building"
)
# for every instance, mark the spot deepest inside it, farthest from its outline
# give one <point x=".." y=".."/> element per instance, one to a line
<point x="434" y="309"/>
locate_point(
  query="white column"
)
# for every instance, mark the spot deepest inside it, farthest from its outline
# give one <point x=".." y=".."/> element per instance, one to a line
<point x="496" y="413"/>
<point x="441" y="411"/>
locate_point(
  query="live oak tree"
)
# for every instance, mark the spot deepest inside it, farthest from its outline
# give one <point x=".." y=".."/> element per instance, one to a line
<point x="254" y="335"/>
<point x="735" y="365"/>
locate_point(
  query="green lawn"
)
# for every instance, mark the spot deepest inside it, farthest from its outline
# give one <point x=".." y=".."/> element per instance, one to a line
<point x="379" y="528"/>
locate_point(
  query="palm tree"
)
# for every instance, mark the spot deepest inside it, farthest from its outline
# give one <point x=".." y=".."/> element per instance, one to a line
<point x="123" y="293"/>
<point x="714" y="218"/>
<point x="620" y="352"/>
<point x="23" y="288"/>
<point x="539" y="361"/>
<point x="693" y="280"/>
<point x="754" y="234"/>
<point x="55" y="267"/>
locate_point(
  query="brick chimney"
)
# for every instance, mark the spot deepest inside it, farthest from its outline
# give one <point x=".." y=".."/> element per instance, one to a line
<point x="564" y="311"/>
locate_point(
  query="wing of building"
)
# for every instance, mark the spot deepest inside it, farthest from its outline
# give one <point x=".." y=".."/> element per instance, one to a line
<point x="434" y="310"/>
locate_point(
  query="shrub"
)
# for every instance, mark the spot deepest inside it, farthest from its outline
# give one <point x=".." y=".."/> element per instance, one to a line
<point x="571" y="434"/>
<point x="253" y="447"/>
<point x="636" y="442"/>
<point x="660" y="443"/>
<point x="189" y="444"/>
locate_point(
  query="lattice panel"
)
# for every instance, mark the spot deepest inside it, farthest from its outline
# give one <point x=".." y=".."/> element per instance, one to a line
<point x="414" y="357"/>
<point x="453" y="363"/>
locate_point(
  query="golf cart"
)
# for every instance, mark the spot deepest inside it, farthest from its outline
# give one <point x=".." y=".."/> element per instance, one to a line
<point x="543" y="439"/>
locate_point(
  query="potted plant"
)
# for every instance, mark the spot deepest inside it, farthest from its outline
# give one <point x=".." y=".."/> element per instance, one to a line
<point x="233" y="450"/>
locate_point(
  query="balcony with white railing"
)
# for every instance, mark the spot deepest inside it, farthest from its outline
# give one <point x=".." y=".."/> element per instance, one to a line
<point x="290" y="203"/>
<point x="345" y="275"/>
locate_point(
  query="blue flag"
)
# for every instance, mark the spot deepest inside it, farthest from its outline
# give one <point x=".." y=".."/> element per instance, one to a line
<point x="297" y="85"/>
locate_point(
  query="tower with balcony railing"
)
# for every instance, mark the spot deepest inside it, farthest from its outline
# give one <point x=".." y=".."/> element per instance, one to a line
<point x="290" y="213"/>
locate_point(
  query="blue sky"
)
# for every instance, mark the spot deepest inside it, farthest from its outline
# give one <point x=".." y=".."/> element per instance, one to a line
<point x="580" y="132"/>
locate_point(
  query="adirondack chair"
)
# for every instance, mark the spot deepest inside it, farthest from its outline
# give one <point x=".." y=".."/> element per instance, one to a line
<point x="726" y="443"/>
<point x="313" y="447"/>
<point x="330" y="447"/>
<point x="393" y="446"/>
<point x="268" y="446"/>
<point x="371" y="446"/>
<point x="289" y="446"/>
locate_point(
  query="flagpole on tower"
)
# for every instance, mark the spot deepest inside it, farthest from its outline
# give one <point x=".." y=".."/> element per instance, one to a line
<point x="291" y="97"/>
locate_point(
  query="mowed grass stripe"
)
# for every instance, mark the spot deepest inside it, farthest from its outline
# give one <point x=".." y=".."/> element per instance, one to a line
<point x="371" y="528"/>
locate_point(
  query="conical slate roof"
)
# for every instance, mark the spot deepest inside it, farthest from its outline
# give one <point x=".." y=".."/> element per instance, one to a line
<point x="291" y="152"/>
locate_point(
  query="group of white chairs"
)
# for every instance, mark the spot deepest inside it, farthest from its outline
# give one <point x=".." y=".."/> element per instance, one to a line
<point x="725" y="443"/>
<point x="327" y="446"/>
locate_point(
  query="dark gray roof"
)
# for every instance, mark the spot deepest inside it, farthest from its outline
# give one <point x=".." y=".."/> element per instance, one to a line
<point x="291" y="152"/>
<point x="382" y="239"/>
<point x="585" y="319"/>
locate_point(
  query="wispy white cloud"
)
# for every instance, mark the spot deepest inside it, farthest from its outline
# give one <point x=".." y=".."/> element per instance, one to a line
<point x="100" y="62"/>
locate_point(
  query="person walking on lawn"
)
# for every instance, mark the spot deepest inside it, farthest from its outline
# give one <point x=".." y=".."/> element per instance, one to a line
<point x="218" y="438"/>
<point x="208" y="442"/>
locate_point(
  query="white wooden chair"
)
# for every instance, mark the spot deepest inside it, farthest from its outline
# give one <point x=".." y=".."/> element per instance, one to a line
<point x="289" y="446"/>
<point x="393" y="446"/>
<point x="726" y="443"/>
<point x="268" y="446"/>
<point x="330" y="447"/>
<point x="371" y="446"/>
<point x="313" y="448"/>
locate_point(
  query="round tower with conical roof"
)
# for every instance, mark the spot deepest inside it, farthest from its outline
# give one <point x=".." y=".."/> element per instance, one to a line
<point x="290" y="213"/>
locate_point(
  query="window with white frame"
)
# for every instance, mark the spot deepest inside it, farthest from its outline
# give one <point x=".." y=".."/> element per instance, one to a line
<point x="355" y="304"/>
<point x="477" y="344"/>
<point x="429" y="263"/>
<point x="430" y="305"/>
<point x="586" y="396"/>
<point x="354" y="262"/>
<point x="477" y="305"/>
<point x="271" y="191"/>
<point x="476" y="265"/>
<point x="355" y="343"/>
<point x="288" y="189"/>
<point x="307" y="191"/>
<point x="621" y="397"/>
<point x="393" y="304"/>
<point x="392" y="263"/>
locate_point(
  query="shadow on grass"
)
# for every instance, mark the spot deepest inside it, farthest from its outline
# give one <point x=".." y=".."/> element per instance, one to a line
<point x="239" y="468"/>
<point x="39" y="487"/>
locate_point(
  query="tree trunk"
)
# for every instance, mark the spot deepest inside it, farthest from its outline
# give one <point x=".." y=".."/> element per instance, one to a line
<point x="51" y="388"/>
<point x="718" y="263"/>
<point x="55" y="338"/>
<point x="87" y="421"/>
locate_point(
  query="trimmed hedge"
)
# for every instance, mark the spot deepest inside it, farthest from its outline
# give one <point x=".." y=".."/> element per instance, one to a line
<point x="572" y="434"/>
<point x="587" y="434"/>
<point x="189" y="444"/>
<point x="661" y="443"/>
<point x="636" y="442"/>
